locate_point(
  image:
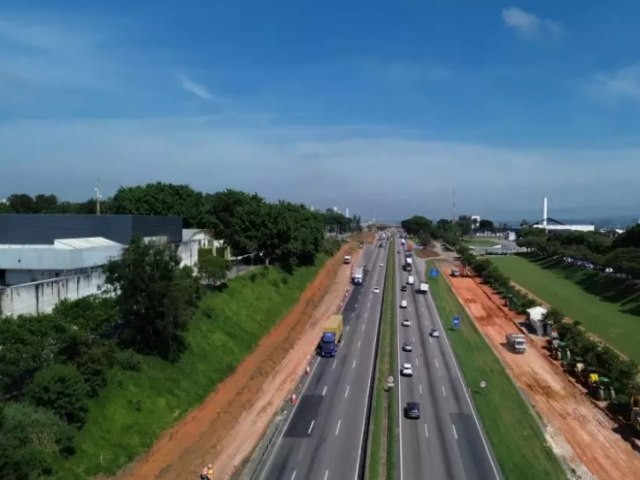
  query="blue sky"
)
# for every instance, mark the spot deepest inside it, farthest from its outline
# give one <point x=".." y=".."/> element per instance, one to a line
<point x="377" y="106"/>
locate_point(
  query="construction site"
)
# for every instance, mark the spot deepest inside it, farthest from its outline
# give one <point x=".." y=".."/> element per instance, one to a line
<point x="569" y="397"/>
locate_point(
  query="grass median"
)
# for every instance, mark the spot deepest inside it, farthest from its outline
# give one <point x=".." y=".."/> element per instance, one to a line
<point x="614" y="319"/>
<point x="379" y="461"/>
<point x="518" y="443"/>
<point x="137" y="406"/>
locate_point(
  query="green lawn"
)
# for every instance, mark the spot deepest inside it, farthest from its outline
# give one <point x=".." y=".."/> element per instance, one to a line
<point x="568" y="289"/>
<point x="480" y="242"/>
<point x="137" y="407"/>
<point x="517" y="441"/>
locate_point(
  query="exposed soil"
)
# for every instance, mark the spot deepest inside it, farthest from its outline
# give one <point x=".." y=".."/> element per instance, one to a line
<point x="227" y="426"/>
<point x="578" y="430"/>
<point x="426" y="253"/>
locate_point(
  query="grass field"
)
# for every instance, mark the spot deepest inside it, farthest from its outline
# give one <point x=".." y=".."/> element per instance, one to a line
<point x="137" y="407"/>
<point x="567" y="288"/>
<point x="480" y="242"/>
<point x="513" y="432"/>
<point x="378" y="461"/>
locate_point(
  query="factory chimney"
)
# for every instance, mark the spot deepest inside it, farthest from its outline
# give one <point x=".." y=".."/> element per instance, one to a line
<point x="544" y="212"/>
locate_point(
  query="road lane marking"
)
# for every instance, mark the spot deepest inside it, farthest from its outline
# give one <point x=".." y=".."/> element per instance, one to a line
<point x="443" y="392"/>
<point x="430" y="340"/>
<point x="346" y="329"/>
<point x="346" y="394"/>
<point x="417" y="362"/>
<point x="294" y="475"/>
<point x="426" y="431"/>
<point x="326" y="474"/>
<point x="363" y="325"/>
<point x="311" y="427"/>
<point x="354" y="364"/>
<point x="455" y="434"/>
<point x="338" y="428"/>
<point x="324" y="390"/>
<point x="334" y="364"/>
<point x="436" y="360"/>
<point x="420" y="388"/>
<point x="414" y="339"/>
<point x="359" y="343"/>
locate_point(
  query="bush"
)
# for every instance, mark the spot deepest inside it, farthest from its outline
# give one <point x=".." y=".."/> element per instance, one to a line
<point x="60" y="388"/>
<point x="128" y="360"/>
<point x="93" y="366"/>
<point x="31" y="439"/>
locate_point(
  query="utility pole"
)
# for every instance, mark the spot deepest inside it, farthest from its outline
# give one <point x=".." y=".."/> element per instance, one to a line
<point x="98" y="197"/>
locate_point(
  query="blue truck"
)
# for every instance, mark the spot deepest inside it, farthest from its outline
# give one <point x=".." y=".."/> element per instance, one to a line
<point x="331" y="336"/>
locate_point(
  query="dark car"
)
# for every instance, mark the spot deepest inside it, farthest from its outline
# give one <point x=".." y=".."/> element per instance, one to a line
<point x="403" y="288"/>
<point x="412" y="410"/>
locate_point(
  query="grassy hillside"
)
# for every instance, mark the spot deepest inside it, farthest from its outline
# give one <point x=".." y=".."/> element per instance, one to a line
<point x="521" y="452"/>
<point x="607" y="311"/>
<point x="480" y="242"/>
<point x="137" y="407"/>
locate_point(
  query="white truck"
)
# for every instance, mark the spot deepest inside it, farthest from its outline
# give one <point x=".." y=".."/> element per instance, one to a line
<point x="517" y="342"/>
<point x="424" y="288"/>
<point x="357" y="276"/>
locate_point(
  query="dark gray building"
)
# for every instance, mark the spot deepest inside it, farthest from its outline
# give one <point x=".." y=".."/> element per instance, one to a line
<point x="43" y="229"/>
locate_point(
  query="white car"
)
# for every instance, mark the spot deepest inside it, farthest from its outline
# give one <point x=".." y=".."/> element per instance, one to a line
<point x="407" y="347"/>
<point x="403" y="304"/>
<point x="407" y="370"/>
<point x="434" y="333"/>
<point x="382" y="264"/>
<point x="376" y="289"/>
<point x="406" y="322"/>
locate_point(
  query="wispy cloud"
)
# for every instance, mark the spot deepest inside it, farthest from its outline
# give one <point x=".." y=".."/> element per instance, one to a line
<point x="616" y="85"/>
<point x="195" y="88"/>
<point x="530" y="25"/>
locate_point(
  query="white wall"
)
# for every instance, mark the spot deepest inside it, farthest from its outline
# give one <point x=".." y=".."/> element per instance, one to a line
<point x="41" y="297"/>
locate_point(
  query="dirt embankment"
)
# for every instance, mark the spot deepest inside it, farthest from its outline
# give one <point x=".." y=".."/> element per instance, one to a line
<point x="226" y="427"/>
<point x="577" y="429"/>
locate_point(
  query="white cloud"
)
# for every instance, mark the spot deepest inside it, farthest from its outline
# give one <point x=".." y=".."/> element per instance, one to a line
<point x="365" y="169"/>
<point x="528" y="24"/>
<point x="195" y="88"/>
<point x="622" y="83"/>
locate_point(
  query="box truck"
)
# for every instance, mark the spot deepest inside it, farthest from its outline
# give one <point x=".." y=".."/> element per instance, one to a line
<point x="331" y="336"/>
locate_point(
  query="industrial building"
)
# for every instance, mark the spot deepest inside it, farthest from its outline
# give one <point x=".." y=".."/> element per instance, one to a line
<point x="47" y="258"/>
<point x="551" y="224"/>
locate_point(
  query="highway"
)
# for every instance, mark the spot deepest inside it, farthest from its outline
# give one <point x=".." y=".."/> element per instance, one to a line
<point x="447" y="441"/>
<point x="324" y="436"/>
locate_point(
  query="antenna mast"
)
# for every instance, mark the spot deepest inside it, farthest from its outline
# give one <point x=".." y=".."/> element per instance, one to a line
<point x="453" y="212"/>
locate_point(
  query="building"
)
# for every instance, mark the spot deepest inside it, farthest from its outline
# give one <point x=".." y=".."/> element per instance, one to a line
<point x="536" y="318"/>
<point x="551" y="224"/>
<point x="47" y="258"/>
<point x="193" y="240"/>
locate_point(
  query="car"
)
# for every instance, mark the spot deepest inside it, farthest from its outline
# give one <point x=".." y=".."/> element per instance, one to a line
<point x="434" y="333"/>
<point x="376" y="289"/>
<point x="403" y="288"/>
<point x="412" y="410"/>
<point x="406" y="322"/>
<point x="403" y="304"/>
<point x="407" y="347"/>
<point x="407" y="370"/>
<point x="382" y="264"/>
<point x="398" y="252"/>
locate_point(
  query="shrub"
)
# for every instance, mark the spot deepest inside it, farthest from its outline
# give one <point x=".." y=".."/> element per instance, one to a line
<point x="60" y="388"/>
<point x="31" y="438"/>
<point x="128" y="360"/>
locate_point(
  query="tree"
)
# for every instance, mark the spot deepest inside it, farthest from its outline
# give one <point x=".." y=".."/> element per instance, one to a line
<point x="486" y="225"/>
<point x="31" y="441"/>
<point x="60" y="388"/>
<point x="554" y="315"/>
<point x="212" y="268"/>
<point x="416" y="225"/>
<point x="163" y="199"/>
<point x="151" y="298"/>
<point x="625" y="260"/>
<point x="464" y="224"/>
<point x="630" y="238"/>
<point x="21" y="203"/>
<point x="239" y="219"/>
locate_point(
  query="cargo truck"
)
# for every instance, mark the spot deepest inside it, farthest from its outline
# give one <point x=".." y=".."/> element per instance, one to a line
<point x="357" y="276"/>
<point x="517" y="342"/>
<point x="331" y="336"/>
<point x="424" y="288"/>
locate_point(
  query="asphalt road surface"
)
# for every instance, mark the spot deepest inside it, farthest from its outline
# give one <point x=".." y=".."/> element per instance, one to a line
<point x="324" y="436"/>
<point x="447" y="441"/>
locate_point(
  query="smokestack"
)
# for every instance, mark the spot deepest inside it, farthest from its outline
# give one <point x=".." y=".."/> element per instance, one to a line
<point x="544" y="212"/>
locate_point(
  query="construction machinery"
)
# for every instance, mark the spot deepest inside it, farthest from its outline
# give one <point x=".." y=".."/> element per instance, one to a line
<point x="558" y="348"/>
<point x="600" y="387"/>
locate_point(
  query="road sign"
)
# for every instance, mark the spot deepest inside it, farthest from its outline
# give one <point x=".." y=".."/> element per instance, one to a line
<point x="434" y="273"/>
<point x="456" y="321"/>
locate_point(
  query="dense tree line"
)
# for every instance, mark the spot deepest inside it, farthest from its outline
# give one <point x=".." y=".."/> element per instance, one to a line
<point x="450" y="232"/>
<point x="600" y="251"/>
